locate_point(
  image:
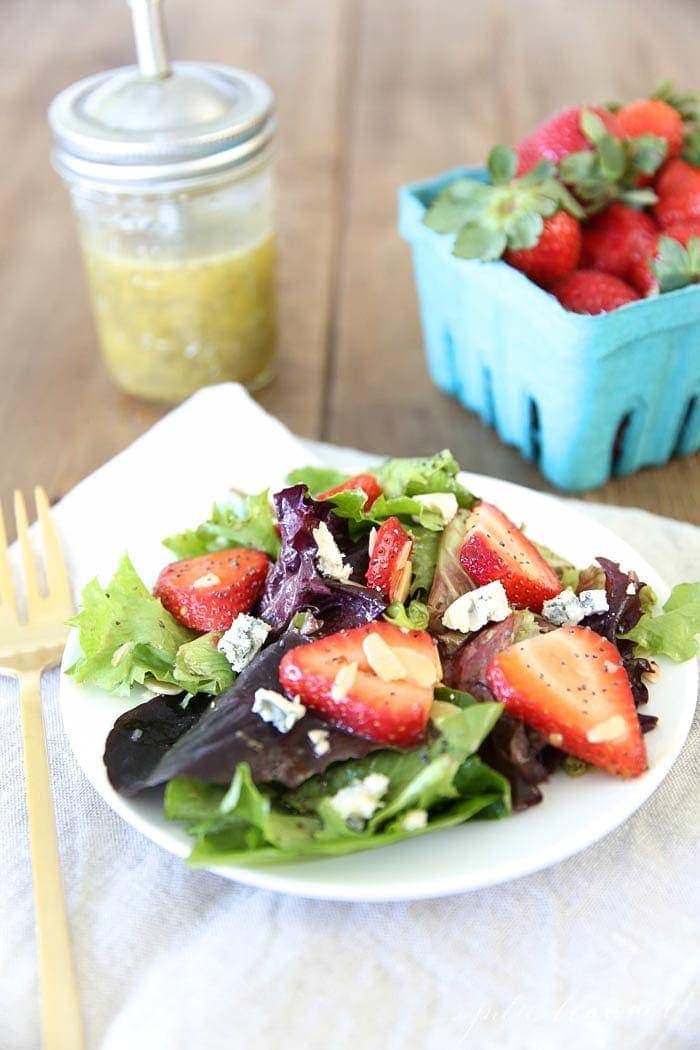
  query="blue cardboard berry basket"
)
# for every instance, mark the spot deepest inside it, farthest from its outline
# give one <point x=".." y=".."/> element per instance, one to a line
<point x="586" y="398"/>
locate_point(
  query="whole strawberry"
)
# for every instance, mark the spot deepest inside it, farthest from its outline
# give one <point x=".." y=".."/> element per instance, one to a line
<point x="561" y="135"/>
<point x="616" y="239"/>
<point x="524" y="220"/>
<point x="653" y="116"/>
<point x="556" y="253"/>
<point x="593" y="292"/>
<point x="678" y="190"/>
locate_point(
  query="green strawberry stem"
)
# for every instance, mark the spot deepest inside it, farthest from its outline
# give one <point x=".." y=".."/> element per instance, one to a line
<point x="507" y="214"/>
<point x="611" y="169"/>
<point x="686" y="103"/>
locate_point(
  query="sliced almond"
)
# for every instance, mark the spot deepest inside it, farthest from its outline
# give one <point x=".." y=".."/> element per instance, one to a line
<point x="209" y="579"/>
<point x="419" y="668"/>
<point x="344" y="681"/>
<point x="371" y="541"/>
<point x="401" y="583"/>
<point x="119" y="654"/>
<point x="383" y="659"/>
<point x="611" y="729"/>
<point x="403" y="555"/>
<point x="654" y="672"/>
<point x="162" y="688"/>
<point x="442" y="708"/>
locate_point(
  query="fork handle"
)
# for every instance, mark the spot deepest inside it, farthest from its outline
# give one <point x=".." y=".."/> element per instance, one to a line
<point x="61" y="1021"/>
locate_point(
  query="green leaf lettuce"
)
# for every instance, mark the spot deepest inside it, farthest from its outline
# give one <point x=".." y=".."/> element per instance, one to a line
<point x="242" y="521"/>
<point x="200" y="667"/>
<point x="674" y="632"/>
<point x="125" y="634"/>
<point x="248" y="824"/>
<point x="128" y="638"/>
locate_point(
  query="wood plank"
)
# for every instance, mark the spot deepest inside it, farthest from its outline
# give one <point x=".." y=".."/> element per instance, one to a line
<point x="436" y="85"/>
<point x="60" y="415"/>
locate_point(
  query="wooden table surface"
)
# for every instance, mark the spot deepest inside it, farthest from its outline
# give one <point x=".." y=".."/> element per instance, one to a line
<point x="371" y="94"/>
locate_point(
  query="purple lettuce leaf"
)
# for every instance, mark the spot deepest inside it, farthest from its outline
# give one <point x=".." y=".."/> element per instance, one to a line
<point x="226" y="732"/>
<point x="230" y="733"/>
<point x="294" y="583"/>
<point x="465" y="668"/>
<point x="142" y="736"/>
<point x="624" y="612"/>
<point x="522" y="756"/>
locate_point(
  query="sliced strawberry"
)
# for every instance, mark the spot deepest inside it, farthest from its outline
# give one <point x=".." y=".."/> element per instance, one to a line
<point x="376" y="680"/>
<point x="390" y="568"/>
<point x="496" y="549"/>
<point x="208" y="592"/>
<point x="570" y="684"/>
<point x="366" y="482"/>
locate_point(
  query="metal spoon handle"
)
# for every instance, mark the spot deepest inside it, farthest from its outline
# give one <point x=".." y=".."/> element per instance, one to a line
<point x="149" y="32"/>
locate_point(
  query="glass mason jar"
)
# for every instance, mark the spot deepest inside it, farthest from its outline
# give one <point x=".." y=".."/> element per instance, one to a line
<point x="171" y="180"/>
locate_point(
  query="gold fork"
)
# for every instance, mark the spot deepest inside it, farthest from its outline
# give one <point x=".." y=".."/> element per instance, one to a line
<point x="27" y="648"/>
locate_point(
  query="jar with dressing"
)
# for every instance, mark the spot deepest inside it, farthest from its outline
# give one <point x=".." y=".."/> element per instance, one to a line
<point x="170" y="174"/>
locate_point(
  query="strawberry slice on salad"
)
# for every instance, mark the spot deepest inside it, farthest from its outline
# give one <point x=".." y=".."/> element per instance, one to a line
<point x="570" y="684"/>
<point x="376" y="680"/>
<point x="496" y="549"/>
<point x="390" y="567"/>
<point x="208" y="592"/>
<point x="366" y="483"/>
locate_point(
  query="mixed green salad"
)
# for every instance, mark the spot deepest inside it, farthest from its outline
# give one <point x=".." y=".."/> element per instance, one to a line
<point x="353" y="661"/>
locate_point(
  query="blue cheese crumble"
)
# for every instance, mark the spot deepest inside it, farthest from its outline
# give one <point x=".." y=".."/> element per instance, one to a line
<point x="473" y="610"/>
<point x="567" y="609"/>
<point x="414" y="820"/>
<point x="320" y="744"/>
<point x="564" y="609"/>
<point x="329" y="559"/>
<point x="594" y="602"/>
<point x="243" y="640"/>
<point x="277" y="709"/>
<point x="358" y="801"/>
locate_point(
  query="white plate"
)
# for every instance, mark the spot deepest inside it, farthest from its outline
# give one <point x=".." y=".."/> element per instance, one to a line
<point x="574" y="813"/>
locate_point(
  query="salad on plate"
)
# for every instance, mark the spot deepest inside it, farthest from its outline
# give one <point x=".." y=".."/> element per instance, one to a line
<point x="353" y="661"/>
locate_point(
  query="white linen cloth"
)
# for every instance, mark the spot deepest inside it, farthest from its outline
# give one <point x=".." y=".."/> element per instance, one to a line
<point x="596" y="952"/>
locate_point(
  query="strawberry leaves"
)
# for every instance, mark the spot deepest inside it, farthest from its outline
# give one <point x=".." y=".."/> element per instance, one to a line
<point x="675" y="266"/>
<point x="612" y="168"/>
<point x="686" y="103"/>
<point x="508" y="214"/>
<point x="502" y="164"/>
<point x="691" y="147"/>
<point x="457" y="203"/>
